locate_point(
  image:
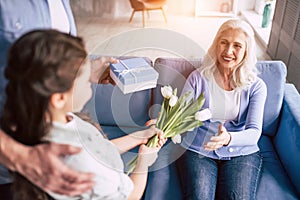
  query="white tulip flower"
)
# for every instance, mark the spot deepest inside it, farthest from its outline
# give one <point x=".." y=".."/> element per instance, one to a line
<point x="166" y="91"/>
<point x="176" y="139"/>
<point x="171" y="122"/>
<point x="173" y="100"/>
<point x="203" y="115"/>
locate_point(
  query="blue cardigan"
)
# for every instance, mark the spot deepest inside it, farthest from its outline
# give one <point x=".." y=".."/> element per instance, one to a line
<point x="245" y="131"/>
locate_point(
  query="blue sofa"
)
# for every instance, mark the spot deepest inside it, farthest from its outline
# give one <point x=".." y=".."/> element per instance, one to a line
<point x="280" y="141"/>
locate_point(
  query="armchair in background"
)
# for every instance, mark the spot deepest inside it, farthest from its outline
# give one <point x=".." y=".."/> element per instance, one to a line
<point x="146" y="5"/>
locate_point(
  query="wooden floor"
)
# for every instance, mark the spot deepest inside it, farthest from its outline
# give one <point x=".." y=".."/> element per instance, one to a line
<point x="181" y="36"/>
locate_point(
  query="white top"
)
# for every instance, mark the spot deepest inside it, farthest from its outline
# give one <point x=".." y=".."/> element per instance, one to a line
<point x="59" y="17"/>
<point x="99" y="156"/>
<point x="224" y="105"/>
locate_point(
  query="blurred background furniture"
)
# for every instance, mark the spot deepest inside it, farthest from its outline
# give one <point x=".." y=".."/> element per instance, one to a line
<point x="146" y="5"/>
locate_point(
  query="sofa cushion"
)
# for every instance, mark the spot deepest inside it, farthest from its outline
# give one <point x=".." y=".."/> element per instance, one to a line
<point x="115" y="108"/>
<point x="109" y="106"/>
<point x="273" y="74"/>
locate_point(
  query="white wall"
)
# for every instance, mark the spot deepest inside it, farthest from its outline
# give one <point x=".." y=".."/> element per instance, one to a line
<point x="181" y="7"/>
<point x="246" y="5"/>
<point x="121" y="8"/>
<point x="187" y="7"/>
<point x="101" y="8"/>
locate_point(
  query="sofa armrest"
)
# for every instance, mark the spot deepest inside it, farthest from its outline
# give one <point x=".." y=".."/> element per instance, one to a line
<point x="287" y="139"/>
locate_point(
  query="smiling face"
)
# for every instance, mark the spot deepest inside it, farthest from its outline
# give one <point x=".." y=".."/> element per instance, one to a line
<point x="231" y="49"/>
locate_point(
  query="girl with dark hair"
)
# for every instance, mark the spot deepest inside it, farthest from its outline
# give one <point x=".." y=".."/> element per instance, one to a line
<point x="42" y="68"/>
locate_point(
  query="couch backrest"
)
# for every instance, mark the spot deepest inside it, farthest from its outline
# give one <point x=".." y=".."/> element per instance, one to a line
<point x="274" y="75"/>
<point x="174" y="71"/>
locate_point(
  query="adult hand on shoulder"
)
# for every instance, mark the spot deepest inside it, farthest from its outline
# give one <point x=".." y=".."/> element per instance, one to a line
<point x="100" y="71"/>
<point x="222" y="139"/>
<point x="42" y="165"/>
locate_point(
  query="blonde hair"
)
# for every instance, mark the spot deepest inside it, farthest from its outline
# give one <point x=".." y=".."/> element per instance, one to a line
<point x="245" y="73"/>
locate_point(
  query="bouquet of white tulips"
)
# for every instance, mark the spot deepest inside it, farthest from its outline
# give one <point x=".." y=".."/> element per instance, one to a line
<point x="177" y="116"/>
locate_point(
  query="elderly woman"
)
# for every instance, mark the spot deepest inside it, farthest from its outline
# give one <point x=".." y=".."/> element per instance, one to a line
<point x="222" y="159"/>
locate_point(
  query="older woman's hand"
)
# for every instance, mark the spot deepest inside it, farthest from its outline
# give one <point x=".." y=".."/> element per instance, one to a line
<point x="222" y="139"/>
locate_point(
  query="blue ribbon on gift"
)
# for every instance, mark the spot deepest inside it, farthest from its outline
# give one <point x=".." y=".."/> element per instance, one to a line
<point x="127" y="70"/>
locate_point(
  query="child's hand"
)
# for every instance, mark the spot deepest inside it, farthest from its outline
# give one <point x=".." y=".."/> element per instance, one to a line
<point x="147" y="133"/>
<point x="161" y="139"/>
<point x="147" y="155"/>
<point x="150" y="132"/>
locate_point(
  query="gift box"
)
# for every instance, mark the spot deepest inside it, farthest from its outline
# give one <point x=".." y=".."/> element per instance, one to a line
<point x="134" y="74"/>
